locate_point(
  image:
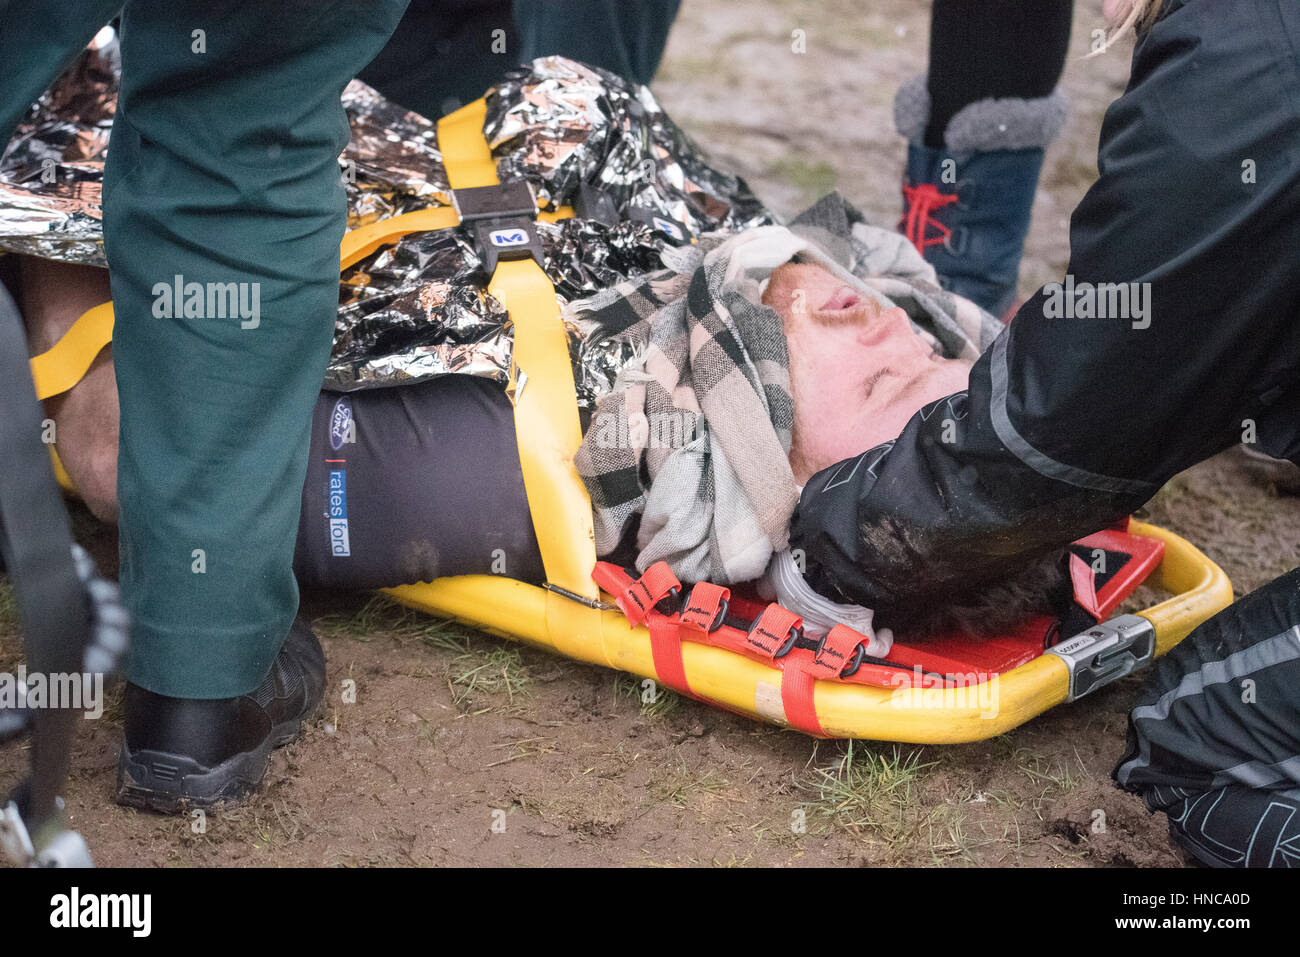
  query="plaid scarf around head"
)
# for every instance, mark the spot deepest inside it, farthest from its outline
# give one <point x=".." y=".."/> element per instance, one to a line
<point x="695" y="436"/>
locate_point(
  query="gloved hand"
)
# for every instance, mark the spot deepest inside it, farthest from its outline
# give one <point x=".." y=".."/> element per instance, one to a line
<point x="784" y="584"/>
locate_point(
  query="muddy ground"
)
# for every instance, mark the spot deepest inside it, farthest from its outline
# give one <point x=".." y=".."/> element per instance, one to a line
<point x="461" y="748"/>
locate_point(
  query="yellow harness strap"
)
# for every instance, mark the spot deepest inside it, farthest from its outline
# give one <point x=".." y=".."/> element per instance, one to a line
<point x="364" y="240"/>
<point x="58" y="369"/>
<point x="63" y="365"/>
<point x="465" y="153"/>
<point x="546" y="415"/>
<point x="66" y="362"/>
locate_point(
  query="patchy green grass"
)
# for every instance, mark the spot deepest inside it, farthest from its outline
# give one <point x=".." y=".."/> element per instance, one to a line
<point x="10" y="646"/>
<point x="1054" y="774"/>
<point x="656" y="700"/>
<point x="862" y="784"/>
<point x="493" y="671"/>
<point x="479" y="663"/>
<point x="898" y="804"/>
<point x="871" y="794"/>
<point x="520" y="749"/>
<point x="380" y="616"/>
<point x="8" y="607"/>
<point x="681" y="785"/>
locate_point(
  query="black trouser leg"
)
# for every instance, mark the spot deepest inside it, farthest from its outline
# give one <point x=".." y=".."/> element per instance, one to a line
<point x="1215" y="740"/>
<point x="982" y="49"/>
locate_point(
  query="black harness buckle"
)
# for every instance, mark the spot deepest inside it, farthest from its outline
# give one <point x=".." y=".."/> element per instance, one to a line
<point x="502" y="218"/>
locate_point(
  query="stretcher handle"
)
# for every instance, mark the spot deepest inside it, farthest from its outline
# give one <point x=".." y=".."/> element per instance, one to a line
<point x="1199" y="586"/>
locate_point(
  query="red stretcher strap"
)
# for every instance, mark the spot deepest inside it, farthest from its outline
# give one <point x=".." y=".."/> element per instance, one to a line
<point x="772" y="629"/>
<point x="797" y="699"/>
<point x="836" y="651"/>
<point x="799" y="677"/>
<point x="706" y="604"/>
<point x="639" y="598"/>
<point x="666" y="648"/>
<point x="703" y="607"/>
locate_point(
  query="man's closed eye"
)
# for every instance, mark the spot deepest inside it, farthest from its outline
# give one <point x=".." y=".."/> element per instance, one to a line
<point x="874" y="378"/>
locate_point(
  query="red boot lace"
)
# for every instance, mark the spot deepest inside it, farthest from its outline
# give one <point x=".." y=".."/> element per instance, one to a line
<point x="922" y="201"/>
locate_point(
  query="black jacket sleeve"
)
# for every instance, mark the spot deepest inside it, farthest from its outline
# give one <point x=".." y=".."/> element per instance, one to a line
<point x="1072" y="421"/>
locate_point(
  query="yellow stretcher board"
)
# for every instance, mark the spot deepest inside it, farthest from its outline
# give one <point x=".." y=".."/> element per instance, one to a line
<point x="565" y="615"/>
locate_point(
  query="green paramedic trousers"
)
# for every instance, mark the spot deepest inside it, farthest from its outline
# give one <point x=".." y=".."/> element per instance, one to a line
<point x="223" y="184"/>
<point x="625" y="38"/>
<point x="445" y="53"/>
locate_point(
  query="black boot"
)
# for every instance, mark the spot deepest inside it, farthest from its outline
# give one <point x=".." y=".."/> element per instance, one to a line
<point x="181" y="753"/>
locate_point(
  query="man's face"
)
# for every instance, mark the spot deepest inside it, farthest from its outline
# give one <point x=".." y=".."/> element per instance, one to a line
<point x="858" y="373"/>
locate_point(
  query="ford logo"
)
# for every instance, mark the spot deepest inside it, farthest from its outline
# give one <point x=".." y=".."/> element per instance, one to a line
<point x="341" y="428"/>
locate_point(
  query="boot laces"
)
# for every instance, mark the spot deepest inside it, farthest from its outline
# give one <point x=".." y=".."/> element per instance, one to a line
<point x="918" y="223"/>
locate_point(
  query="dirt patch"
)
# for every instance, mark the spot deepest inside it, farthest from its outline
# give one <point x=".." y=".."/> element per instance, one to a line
<point x="461" y="748"/>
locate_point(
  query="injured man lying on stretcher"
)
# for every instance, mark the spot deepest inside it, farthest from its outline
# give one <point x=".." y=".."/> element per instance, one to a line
<point x="720" y="359"/>
<point x="409" y="484"/>
<point x="412" y="483"/>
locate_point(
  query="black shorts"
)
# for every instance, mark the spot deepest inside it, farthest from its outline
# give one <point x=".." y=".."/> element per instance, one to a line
<point x="414" y="483"/>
